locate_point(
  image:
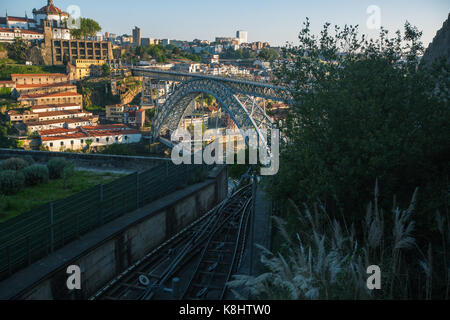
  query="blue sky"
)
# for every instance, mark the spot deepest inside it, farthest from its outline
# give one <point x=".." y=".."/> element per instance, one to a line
<point x="276" y="21"/>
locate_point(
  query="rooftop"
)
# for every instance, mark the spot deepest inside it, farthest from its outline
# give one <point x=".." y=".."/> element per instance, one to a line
<point x="38" y="75"/>
<point x="50" y="8"/>
<point x="43" y="85"/>
<point x="39" y="107"/>
<point x="50" y="95"/>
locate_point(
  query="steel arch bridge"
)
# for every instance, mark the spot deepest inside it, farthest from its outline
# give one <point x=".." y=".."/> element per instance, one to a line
<point x="236" y="97"/>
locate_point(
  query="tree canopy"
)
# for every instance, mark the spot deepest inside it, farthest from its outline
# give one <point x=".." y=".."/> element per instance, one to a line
<point x="268" y="54"/>
<point x="365" y="111"/>
<point x="88" y="28"/>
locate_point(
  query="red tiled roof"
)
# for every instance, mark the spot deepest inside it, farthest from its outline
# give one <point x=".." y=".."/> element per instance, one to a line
<point x="76" y="135"/>
<point x="106" y="127"/>
<point x="19" y="30"/>
<point x="50" y="8"/>
<point x="39" y="75"/>
<point x="112" y="132"/>
<point x="44" y="85"/>
<point x="21" y="19"/>
<point x="7" y="82"/>
<point x="46" y="106"/>
<point x="71" y="120"/>
<point x="60" y="113"/>
<point x="81" y="134"/>
<point x="57" y="131"/>
<point x="50" y="95"/>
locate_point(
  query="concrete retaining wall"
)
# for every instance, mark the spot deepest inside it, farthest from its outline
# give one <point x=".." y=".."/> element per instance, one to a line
<point x="109" y="250"/>
<point x="89" y="159"/>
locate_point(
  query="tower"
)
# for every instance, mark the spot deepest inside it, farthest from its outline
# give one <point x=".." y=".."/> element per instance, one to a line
<point x="242" y="36"/>
<point x="48" y="34"/>
<point x="136" y="36"/>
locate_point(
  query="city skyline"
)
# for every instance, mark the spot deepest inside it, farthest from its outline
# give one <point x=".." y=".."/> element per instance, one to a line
<point x="264" y="20"/>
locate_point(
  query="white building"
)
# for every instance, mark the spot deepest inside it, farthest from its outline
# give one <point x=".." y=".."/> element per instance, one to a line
<point x="9" y="35"/>
<point x="187" y="67"/>
<point x="97" y="136"/>
<point x="17" y="22"/>
<point x="242" y="36"/>
<point x="58" y="21"/>
<point x="57" y="17"/>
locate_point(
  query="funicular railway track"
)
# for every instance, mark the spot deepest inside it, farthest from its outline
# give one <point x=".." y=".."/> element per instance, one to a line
<point x="188" y="253"/>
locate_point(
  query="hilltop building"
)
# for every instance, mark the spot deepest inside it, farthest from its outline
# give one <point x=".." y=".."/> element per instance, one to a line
<point x="136" y="37"/>
<point x="48" y="29"/>
<point x="242" y="36"/>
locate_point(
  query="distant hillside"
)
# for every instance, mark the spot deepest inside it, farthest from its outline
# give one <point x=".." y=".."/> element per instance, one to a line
<point x="440" y="47"/>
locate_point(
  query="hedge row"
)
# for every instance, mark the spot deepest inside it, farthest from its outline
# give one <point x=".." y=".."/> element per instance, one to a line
<point x="16" y="173"/>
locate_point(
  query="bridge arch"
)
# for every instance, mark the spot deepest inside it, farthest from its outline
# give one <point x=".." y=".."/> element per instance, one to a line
<point x="177" y="104"/>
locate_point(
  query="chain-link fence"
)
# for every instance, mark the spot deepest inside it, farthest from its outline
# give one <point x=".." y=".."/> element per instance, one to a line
<point x="33" y="235"/>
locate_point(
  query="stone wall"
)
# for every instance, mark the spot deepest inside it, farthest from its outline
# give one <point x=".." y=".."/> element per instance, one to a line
<point x="109" y="250"/>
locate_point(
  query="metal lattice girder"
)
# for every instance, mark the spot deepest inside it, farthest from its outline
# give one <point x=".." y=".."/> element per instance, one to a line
<point x="251" y="88"/>
<point x="177" y="105"/>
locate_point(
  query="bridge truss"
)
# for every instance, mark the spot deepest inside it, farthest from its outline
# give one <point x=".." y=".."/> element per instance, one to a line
<point x="236" y="97"/>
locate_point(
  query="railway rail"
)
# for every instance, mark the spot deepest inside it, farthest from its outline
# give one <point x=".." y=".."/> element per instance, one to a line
<point x="156" y="275"/>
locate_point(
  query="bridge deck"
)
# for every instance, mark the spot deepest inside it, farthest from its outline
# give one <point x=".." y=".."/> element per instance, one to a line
<point x="254" y="88"/>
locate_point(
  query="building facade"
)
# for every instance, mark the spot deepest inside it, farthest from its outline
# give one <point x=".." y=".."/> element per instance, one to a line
<point x="88" y="136"/>
<point x="10" y="35"/>
<point x="136" y="36"/>
<point x="87" y="68"/>
<point x="52" y="98"/>
<point x="242" y="36"/>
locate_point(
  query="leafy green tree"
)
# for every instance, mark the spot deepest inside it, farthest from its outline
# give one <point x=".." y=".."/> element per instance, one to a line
<point x="268" y="54"/>
<point x="88" y="28"/>
<point x="18" y="50"/>
<point x="106" y="70"/>
<point x="364" y="111"/>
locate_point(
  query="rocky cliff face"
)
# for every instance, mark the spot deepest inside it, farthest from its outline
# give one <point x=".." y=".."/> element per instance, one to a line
<point x="440" y="47"/>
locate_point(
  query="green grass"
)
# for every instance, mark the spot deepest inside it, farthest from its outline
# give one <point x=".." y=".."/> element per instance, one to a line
<point x="7" y="69"/>
<point x="32" y="197"/>
<point x="95" y="108"/>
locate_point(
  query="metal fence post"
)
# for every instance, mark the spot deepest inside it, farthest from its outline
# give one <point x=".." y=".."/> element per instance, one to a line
<point x="28" y="250"/>
<point x="137" y="190"/>
<point x="252" y="225"/>
<point x="100" y="218"/>
<point x="78" y="225"/>
<point x="52" y="229"/>
<point x="8" y="254"/>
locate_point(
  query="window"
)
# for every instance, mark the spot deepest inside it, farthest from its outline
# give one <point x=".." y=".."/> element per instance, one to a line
<point x="117" y="138"/>
<point x="62" y="143"/>
<point x="98" y="140"/>
<point x="82" y="141"/>
<point x="51" y="144"/>
<point x="71" y="142"/>
<point x="107" y="139"/>
<point x="126" y="137"/>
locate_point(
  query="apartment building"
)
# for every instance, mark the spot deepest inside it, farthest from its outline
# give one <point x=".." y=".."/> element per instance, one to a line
<point x="84" y="136"/>
<point x="88" y="68"/>
<point x="131" y="115"/>
<point x="42" y="78"/>
<point x="52" y="98"/>
<point x="30" y="89"/>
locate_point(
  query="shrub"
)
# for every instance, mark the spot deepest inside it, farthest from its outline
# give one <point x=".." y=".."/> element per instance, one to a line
<point x="14" y="164"/>
<point x="68" y="172"/>
<point x="29" y="160"/>
<point x="11" y="181"/>
<point x="56" y="167"/>
<point x="3" y="204"/>
<point x="36" y="174"/>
